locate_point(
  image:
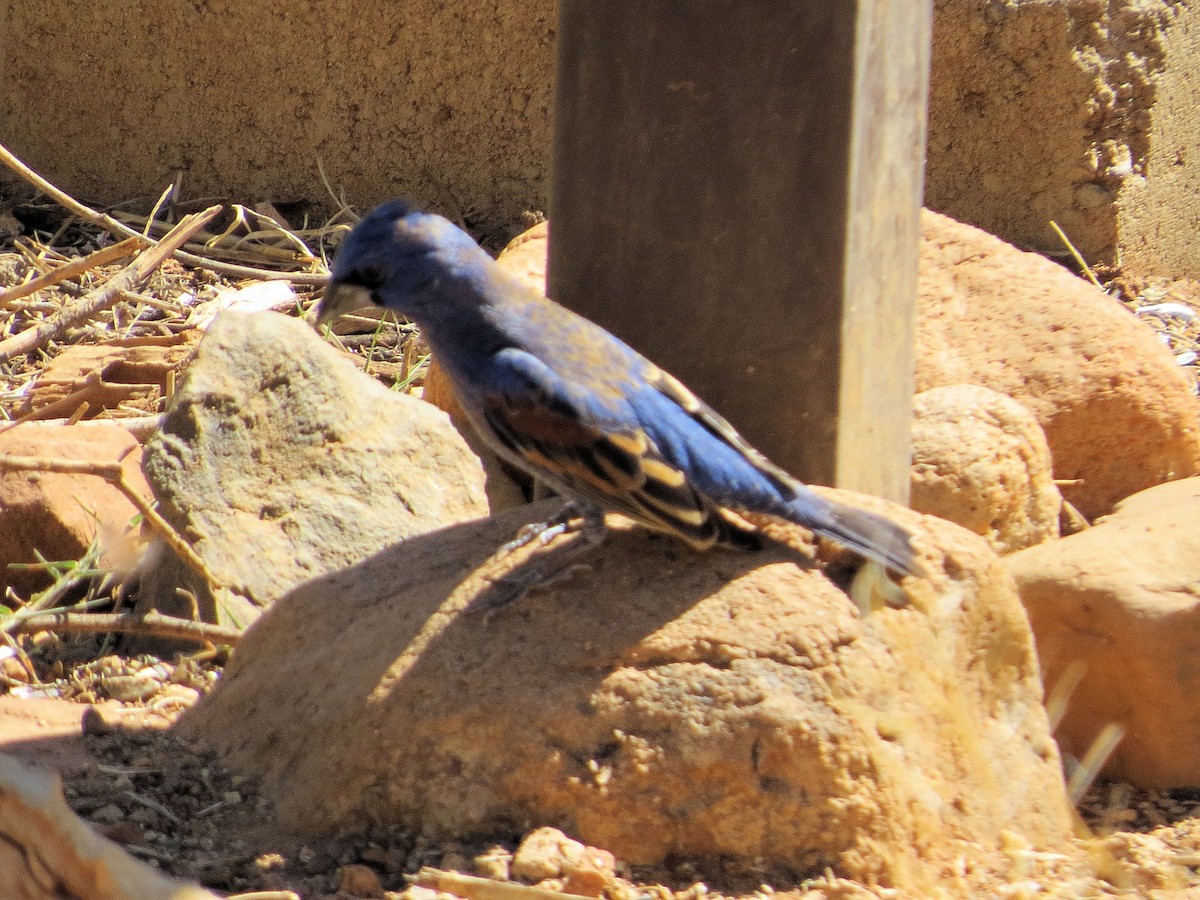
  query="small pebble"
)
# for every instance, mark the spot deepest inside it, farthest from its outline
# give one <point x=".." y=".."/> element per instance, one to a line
<point x="359" y="881"/>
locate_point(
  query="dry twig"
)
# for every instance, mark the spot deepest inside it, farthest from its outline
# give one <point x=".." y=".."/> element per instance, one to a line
<point x="109" y="293"/>
<point x="153" y="624"/>
<point x="1079" y="260"/>
<point x="72" y="269"/>
<point x="472" y="887"/>
<point x="111" y="225"/>
<point x="114" y="474"/>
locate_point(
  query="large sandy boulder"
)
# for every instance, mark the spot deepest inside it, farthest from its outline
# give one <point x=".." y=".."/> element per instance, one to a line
<point x="658" y="704"/>
<point x="980" y="460"/>
<point x="281" y="461"/>
<point x="1117" y="604"/>
<point x="1117" y="412"/>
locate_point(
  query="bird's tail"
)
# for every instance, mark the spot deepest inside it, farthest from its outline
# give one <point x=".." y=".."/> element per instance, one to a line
<point x="867" y="533"/>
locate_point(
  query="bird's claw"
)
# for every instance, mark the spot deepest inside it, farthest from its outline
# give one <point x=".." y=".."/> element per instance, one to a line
<point x="573" y="516"/>
<point x="514" y="587"/>
<point x="542" y="532"/>
<point x="558" y="565"/>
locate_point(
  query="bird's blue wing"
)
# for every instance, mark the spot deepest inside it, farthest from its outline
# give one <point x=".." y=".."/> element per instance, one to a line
<point x="716" y="425"/>
<point x="721" y="463"/>
<point x="588" y="447"/>
<point x="718" y="461"/>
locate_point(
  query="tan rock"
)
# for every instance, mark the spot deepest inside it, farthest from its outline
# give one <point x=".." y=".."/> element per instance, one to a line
<point x="47" y="852"/>
<point x="980" y="460"/>
<point x="548" y="853"/>
<point x="58" y="515"/>
<point x="281" y="461"/>
<point x="1119" y="604"/>
<point x="658" y="704"/>
<point x="1117" y="412"/>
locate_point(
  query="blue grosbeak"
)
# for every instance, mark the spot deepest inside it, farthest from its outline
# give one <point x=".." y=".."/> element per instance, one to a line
<point x="559" y="397"/>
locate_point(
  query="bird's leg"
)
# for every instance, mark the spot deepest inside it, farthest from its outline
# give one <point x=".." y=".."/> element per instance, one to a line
<point x="543" y="570"/>
<point x="562" y="522"/>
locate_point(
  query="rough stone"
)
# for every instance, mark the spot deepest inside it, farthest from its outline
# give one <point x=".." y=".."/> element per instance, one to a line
<point x="1117" y="412"/>
<point x="1118" y="604"/>
<point x="58" y="515"/>
<point x="281" y="461"/>
<point x="980" y="460"/>
<point x="357" y="880"/>
<point x="659" y="704"/>
<point x="547" y="853"/>
<point x="1102" y="96"/>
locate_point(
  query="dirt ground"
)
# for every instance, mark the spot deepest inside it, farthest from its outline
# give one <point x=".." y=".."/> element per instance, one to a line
<point x="174" y="806"/>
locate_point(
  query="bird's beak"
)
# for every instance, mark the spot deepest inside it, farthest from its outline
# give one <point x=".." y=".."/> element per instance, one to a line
<point x="339" y="299"/>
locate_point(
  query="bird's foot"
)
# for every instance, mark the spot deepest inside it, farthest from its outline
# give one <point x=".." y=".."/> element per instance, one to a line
<point x="542" y="571"/>
<point x="574" y="516"/>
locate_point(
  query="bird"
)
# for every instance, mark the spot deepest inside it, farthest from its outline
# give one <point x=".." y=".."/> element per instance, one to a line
<point x="558" y="396"/>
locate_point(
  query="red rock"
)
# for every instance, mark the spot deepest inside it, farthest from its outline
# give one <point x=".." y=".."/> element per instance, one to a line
<point x="58" y="515"/>
<point x="1118" y="413"/>
<point x="980" y="460"/>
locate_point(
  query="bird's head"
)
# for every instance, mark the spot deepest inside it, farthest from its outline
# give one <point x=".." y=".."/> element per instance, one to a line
<point x="398" y="257"/>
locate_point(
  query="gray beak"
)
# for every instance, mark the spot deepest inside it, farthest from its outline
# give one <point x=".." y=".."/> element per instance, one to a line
<point x="340" y="299"/>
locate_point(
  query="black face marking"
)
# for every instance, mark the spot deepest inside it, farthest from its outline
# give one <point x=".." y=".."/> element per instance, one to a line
<point x="367" y="276"/>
